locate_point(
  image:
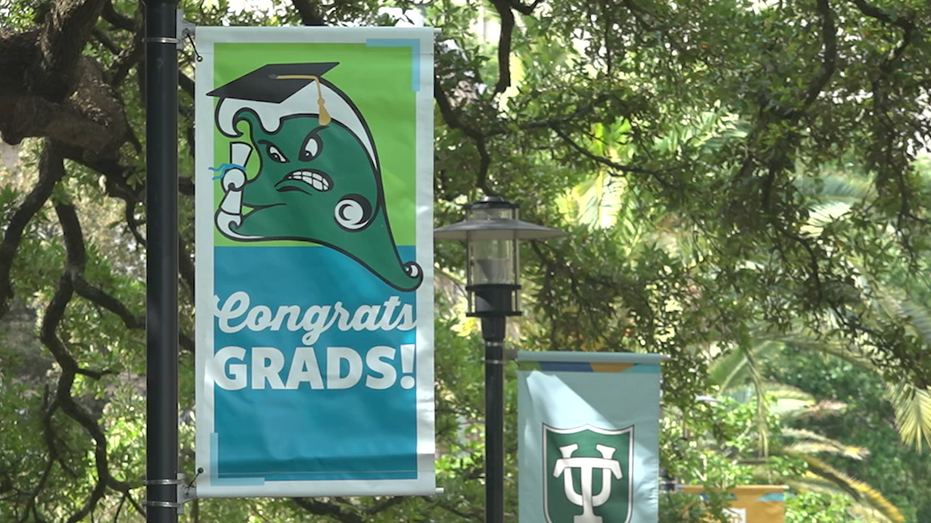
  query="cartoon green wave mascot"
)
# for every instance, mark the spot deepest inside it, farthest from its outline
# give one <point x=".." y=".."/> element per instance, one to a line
<point x="319" y="178"/>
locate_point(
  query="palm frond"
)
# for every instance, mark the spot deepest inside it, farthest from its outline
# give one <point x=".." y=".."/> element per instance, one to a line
<point x="823" y="408"/>
<point x="865" y="513"/>
<point x="912" y="404"/>
<point x="837" y="186"/>
<point x="912" y="413"/>
<point x="735" y="368"/>
<point x="777" y="392"/>
<point x="896" y="303"/>
<point x="825" y="213"/>
<point x="788" y="402"/>
<point x="817" y="484"/>
<point x="918" y="316"/>
<point x="808" y="442"/>
<point x="761" y="407"/>
<point x="813" y="447"/>
<point x="781" y="391"/>
<point x="814" y="483"/>
<point x="828" y="347"/>
<point x="597" y="200"/>
<point x="831" y="478"/>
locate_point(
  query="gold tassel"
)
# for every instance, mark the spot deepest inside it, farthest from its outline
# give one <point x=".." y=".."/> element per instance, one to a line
<point x="324" y="115"/>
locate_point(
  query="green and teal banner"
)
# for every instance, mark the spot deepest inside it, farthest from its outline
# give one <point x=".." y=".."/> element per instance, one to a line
<point x="314" y="228"/>
<point x="588" y="437"/>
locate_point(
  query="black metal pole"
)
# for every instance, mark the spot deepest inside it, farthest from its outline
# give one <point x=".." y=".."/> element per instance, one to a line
<point x="493" y="329"/>
<point x="161" y="85"/>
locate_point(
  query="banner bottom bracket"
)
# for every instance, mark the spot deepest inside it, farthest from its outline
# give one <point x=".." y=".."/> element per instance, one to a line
<point x="186" y="492"/>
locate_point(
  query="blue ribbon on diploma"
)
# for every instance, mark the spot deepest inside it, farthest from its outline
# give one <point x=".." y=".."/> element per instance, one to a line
<point x="225" y="167"/>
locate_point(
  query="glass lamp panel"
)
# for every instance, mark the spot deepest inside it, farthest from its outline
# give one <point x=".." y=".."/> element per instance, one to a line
<point x="492" y="261"/>
<point x="470" y="269"/>
<point x="488" y="213"/>
<point x="515" y="264"/>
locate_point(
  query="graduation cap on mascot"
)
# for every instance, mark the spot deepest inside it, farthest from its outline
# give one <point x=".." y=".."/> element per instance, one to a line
<point x="319" y="178"/>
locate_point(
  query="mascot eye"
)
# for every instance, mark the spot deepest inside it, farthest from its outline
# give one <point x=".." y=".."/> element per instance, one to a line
<point x="275" y="154"/>
<point x="311" y="148"/>
<point x="353" y="212"/>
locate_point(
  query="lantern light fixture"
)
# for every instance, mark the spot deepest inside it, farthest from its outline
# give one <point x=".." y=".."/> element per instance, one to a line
<point x="492" y="231"/>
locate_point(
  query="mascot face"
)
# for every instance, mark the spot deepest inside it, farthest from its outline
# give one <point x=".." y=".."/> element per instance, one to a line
<point x="315" y="183"/>
<point x="318" y="179"/>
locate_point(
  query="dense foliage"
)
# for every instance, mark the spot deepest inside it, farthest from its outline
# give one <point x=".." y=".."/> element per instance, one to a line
<point x="867" y="420"/>
<point x="694" y="149"/>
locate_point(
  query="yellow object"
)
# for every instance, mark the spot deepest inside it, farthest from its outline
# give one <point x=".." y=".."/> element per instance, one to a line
<point x="324" y="116"/>
<point x="611" y="367"/>
<point x="752" y="503"/>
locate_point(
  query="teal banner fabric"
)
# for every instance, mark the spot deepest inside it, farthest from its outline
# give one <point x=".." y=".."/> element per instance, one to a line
<point x="314" y="220"/>
<point x="589" y="437"/>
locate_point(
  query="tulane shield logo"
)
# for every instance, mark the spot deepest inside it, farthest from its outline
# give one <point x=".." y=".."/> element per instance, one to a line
<point x="588" y="473"/>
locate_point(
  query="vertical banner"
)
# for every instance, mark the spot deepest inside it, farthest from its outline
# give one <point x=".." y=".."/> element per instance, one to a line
<point x="588" y="437"/>
<point x="314" y="215"/>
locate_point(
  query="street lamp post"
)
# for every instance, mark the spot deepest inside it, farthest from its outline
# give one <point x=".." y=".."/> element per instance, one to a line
<point x="161" y="66"/>
<point x="492" y="231"/>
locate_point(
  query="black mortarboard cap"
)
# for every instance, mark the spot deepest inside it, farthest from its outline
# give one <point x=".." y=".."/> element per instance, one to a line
<point x="273" y="83"/>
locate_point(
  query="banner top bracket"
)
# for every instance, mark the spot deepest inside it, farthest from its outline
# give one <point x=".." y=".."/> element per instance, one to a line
<point x="186" y="31"/>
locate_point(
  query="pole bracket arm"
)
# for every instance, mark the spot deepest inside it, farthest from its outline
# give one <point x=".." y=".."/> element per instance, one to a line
<point x="186" y="492"/>
<point x="185" y="32"/>
<point x="507" y="355"/>
<point x="186" y="29"/>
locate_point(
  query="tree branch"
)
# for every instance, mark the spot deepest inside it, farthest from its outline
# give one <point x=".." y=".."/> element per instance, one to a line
<point x="115" y="174"/>
<point x="321" y="508"/>
<point x="186" y="265"/>
<point x="579" y="112"/>
<point x="117" y="19"/>
<point x="449" y="115"/>
<point x="49" y="433"/>
<point x="504" y="43"/>
<point x="60" y="44"/>
<point x="106" y="41"/>
<point x="128" y="58"/>
<point x="76" y="260"/>
<point x="384" y="504"/>
<point x="101" y="298"/>
<point x="643" y="17"/>
<point x="883" y="15"/>
<point x="95" y="374"/>
<point x="186" y="84"/>
<point x="829" y="62"/>
<point x="129" y="213"/>
<point x="610" y="163"/>
<point x="471" y="516"/>
<point x="54" y="313"/>
<point x="524" y="9"/>
<point x="453" y="122"/>
<point x="51" y="170"/>
<point x="309" y="11"/>
<point x="906" y="24"/>
<point x="31" y="501"/>
<point x="91" y="119"/>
